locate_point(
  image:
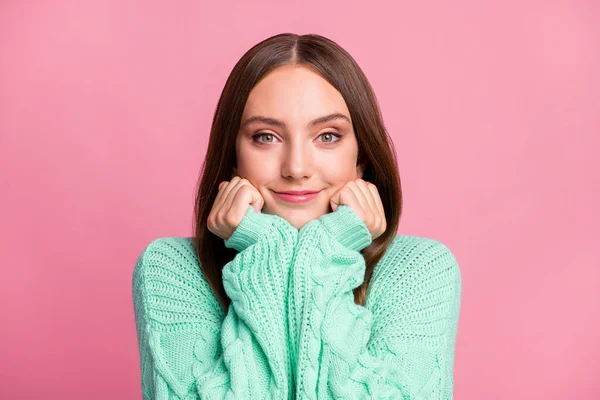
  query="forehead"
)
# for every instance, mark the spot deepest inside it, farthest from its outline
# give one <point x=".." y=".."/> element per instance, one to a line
<point x="294" y="93"/>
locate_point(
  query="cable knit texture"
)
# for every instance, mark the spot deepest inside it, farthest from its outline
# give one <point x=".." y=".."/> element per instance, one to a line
<point x="292" y="329"/>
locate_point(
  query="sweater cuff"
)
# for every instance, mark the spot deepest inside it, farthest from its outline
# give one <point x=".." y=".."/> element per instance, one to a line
<point x="344" y="225"/>
<point x="251" y="227"/>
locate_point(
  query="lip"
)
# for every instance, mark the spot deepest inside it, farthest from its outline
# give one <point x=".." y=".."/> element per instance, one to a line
<point x="297" y="196"/>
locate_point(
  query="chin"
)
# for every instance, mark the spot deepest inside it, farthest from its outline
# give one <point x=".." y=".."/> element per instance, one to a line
<point x="293" y="220"/>
<point x="298" y="217"/>
<point x="300" y="221"/>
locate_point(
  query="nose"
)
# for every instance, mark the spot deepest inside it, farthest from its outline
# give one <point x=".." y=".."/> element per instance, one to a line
<point x="298" y="161"/>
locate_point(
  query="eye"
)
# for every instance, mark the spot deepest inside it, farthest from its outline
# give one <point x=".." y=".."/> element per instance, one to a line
<point x="270" y="135"/>
<point x="330" y="136"/>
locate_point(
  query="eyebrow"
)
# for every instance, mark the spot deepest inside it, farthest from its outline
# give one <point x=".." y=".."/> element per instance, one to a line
<point x="281" y="124"/>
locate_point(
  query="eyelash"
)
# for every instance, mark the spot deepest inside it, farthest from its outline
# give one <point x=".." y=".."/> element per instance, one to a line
<point x="337" y="135"/>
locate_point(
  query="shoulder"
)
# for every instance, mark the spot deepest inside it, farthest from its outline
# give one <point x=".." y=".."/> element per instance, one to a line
<point x="419" y="255"/>
<point x="168" y="256"/>
<point x="415" y="266"/>
<point x="169" y="283"/>
<point x="176" y="250"/>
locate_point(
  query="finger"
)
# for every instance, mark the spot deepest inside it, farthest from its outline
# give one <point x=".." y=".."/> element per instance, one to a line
<point x="255" y="198"/>
<point x="375" y="217"/>
<point x="334" y="200"/>
<point x="230" y="194"/>
<point x="380" y="209"/>
<point x="246" y="195"/>
<point x="377" y="198"/>
<point x="362" y="185"/>
<point x="220" y="192"/>
<point x="364" y="204"/>
<point x="225" y="192"/>
<point x="347" y="196"/>
<point x="371" y="214"/>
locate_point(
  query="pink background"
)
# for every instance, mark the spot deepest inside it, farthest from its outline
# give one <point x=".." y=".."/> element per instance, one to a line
<point x="105" y="111"/>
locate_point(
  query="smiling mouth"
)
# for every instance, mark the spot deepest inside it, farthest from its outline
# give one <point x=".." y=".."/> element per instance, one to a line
<point x="297" y="197"/>
<point x="300" y="192"/>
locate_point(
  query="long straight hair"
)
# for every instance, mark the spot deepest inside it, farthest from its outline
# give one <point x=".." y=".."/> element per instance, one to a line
<point x="376" y="151"/>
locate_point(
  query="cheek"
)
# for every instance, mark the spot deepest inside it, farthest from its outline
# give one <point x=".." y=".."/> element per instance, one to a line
<point x="338" y="170"/>
<point x="257" y="168"/>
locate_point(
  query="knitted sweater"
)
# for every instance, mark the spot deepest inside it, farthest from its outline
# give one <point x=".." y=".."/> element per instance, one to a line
<point x="292" y="329"/>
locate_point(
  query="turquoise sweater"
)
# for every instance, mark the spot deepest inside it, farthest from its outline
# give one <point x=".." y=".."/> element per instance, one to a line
<point x="292" y="329"/>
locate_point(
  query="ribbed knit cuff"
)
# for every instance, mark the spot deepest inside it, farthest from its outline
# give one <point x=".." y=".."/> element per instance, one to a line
<point x="249" y="230"/>
<point x="347" y="227"/>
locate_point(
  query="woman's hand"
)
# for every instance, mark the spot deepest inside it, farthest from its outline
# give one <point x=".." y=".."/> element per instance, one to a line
<point x="231" y="205"/>
<point x="363" y="198"/>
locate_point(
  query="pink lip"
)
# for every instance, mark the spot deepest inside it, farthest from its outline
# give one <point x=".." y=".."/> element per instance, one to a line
<point x="297" y="197"/>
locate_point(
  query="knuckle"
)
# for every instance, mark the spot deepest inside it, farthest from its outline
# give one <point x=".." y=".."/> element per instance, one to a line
<point x="230" y="219"/>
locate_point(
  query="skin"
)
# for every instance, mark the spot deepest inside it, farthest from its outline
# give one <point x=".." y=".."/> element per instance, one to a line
<point x="297" y="156"/>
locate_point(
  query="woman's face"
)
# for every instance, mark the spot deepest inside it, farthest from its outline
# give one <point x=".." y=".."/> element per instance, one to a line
<point x="291" y="151"/>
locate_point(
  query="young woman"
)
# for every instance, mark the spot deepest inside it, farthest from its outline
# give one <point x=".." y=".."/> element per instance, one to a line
<point x="295" y="284"/>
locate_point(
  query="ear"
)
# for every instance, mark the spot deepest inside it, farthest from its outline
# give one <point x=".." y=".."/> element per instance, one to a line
<point x="360" y="168"/>
<point x="359" y="171"/>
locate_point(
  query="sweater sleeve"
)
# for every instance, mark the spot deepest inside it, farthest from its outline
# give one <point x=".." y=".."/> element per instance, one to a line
<point x="400" y="345"/>
<point x="189" y="348"/>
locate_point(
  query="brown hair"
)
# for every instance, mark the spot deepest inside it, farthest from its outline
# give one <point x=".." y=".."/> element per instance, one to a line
<point x="376" y="151"/>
